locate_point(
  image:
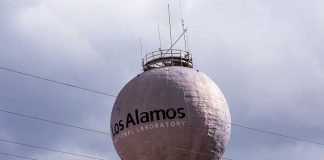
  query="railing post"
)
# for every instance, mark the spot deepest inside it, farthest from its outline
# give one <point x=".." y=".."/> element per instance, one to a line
<point x="171" y="58"/>
<point x="146" y="58"/>
<point x="181" y="58"/>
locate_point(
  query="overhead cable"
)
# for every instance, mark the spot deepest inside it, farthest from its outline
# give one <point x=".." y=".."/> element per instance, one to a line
<point x="107" y="133"/>
<point x="53" y="122"/>
<point x="57" y="82"/>
<point x="111" y="95"/>
<point x="184" y="150"/>
<point x="49" y="149"/>
<point x="17" y="156"/>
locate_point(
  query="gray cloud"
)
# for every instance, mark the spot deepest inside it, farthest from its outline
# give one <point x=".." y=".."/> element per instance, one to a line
<point x="266" y="56"/>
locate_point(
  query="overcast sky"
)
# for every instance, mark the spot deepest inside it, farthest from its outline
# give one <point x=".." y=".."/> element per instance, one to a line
<point x="267" y="56"/>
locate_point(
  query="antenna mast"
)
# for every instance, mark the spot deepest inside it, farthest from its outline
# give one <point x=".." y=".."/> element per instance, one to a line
<point x="170" y="26"/>
<point x="160" y="38"/>
<point x="169" y="57"/>
<point x="183" y="27"/>
<point x="170" y="34"/>
<point x="142" y="52"/>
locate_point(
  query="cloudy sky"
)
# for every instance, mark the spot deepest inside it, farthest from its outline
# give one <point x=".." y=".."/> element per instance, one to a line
<point x="267" y="56"/>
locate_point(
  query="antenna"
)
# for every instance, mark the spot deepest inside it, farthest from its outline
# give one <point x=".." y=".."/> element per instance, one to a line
<point x="170" y="34"/>
<point x="159" y="37"/>
<point x="187" y="42"/>
<point x="183" y="27"/>
<point x="141" y="48"/>
<point x="170" y="26"/>
<point x="141" y="51"/>
<point x="170" y="56"/>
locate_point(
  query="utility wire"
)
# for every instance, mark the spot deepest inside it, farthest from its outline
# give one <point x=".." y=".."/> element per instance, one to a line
<point x="108" y="94"/>
<point x="182" y="149"/>
<point x="49" y="149"/>
<point x="278" y="134"/>
<point x="84" y="156"/>
<point x="17" y="156"/>
<point x="53" y="122"/>
<point x="91" y="130"/>
<point x="73" y="126"/>
<point x="107" y="133"/>
<point x="57" y="82"/>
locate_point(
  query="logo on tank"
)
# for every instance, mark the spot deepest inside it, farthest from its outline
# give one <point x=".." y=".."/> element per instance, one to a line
<point x="141" y="121"/>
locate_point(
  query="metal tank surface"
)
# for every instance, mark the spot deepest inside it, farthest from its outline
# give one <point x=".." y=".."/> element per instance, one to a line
<point x="170" y="113"/>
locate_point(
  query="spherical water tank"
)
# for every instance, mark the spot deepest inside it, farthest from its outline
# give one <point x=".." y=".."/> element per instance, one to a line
<point x="170" y="113"/>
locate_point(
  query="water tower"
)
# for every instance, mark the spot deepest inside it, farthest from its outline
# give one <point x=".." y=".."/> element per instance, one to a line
<point x="170" y="112"/>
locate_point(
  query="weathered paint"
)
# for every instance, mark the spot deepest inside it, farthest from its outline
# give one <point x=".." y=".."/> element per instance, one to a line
<point x="202" y="134"/>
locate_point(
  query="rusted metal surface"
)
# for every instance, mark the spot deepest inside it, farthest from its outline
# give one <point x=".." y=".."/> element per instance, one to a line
<point x="170" y="113"/>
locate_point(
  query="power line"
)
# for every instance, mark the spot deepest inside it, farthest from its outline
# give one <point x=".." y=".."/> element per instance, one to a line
<point x="270" y="133"/>
<point x="68" y="125"/>
<point x="108" y="94"/>
<point x="91" y="130"/>
<point x="17" y="156"/>
<point x="85" y="156"/>
<point x="185" y="150"/>
<point x="277" y="134"/>
<point x="49" y="149"/>
<point x="107" y="133"/>
<point x="53" y="122"/>
<point x="57" y="82"/>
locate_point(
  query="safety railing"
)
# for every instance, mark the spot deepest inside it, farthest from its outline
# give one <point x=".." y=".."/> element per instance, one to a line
<point x="163" y="58"/>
